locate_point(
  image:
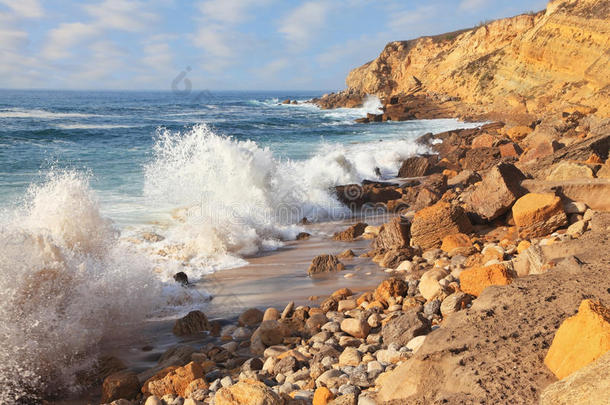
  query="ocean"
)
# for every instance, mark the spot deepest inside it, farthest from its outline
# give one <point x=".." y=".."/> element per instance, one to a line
<point x="104" y="195"/>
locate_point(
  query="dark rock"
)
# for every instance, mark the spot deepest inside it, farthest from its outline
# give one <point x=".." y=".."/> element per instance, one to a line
<point x="303" y="236"/>
<point x="416" y="166"/>
<point x="481" y="158"/>
<point x="285" y="366"/>
<point x="393" y="235"/>
<point x="253" y="364"/>
<point x="325" y="264"/>
<point x="181" y="278"/>
<point x="194" y="322"/>
<point x="351" y="233"/>
<point x="403" y="328"/>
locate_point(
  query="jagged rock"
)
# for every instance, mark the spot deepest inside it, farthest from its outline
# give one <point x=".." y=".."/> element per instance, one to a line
<point x="483" y="141"/>
<point x="194" y="322"/>
<point x="351" y="233"/>
<point x="498" y="191"/>
<point x="430" y="225"/>
<point x="580" y="340"/>
<point x="325" y="264"/>
<point x="392" y="235"/>
<point x="177" y="381"/>
<point x="481" y="158"/>
<point x="416" y="166"/>
<point x="401" y="329"/>
<point x="464" y="178"/>
<point x="392" y="287"/>
<point x="392" y="258"/>
<point x="538" y="214"/>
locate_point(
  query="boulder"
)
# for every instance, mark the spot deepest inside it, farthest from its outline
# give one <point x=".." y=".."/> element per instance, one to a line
<point x="325" y="264"/>
<point x="498" y="191"/>
<point x="463" y="178"/>
<point x="402" y="328"/>
<point x="194" y="322"/>
<point x="483" y="141"/>
<point x="250" y="317"/>
<point x="120" y="385"/>
<point x="392" y="235"/>
<point x="177" y="381"/>
<point x="569" y="171"/>
<point x="510" y="150"/>
<point x="416" y="166"/>
<point x="580" y="340"/>
<point x="590" y="385"/>
<point x="457" y="240"/>
<point x="481" y="158"/>
<point x="519" y="132"/>
<point x="538" y="214"/>
<point x="272" y="332"/>
<point x="351" y="233"/>
<point x="247" y="392"/>
<point x="322" y="396"/>
<point x="474" y="280"/>
<point x="429" y="286"/>
<point x="541" y="149"/>
<point x="392" y="287"/>
<point x="357" y="328"/>
<point x="430" y="225"/>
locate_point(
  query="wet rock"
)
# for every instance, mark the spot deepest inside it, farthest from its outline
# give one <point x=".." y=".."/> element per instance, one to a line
<point x="430" y="225"/>
<point x="401" y="329"/>
<point x="181" y="278"/>
<point x="122" y="384"/>
<point x="250" y="317"/>
<point x="416" y="166"/>
<point x="303" y="236"/>
<point x="351" y="233"/>
<point x="498" y="191"/>
<point x="194" y="322"/>
<point x="538" y="214"/>
<point x="347" y="254"/>
<point x="325" y="264"/>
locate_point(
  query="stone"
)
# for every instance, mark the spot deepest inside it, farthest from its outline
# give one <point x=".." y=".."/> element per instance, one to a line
<point x="481" y="158"/>
<point x="474" y="280"/>
<point x="569" y="171"/>
<point x="575" y="207"/>
<point x="429" y="286"/>
<point x="248" y="392"/>
<point x="590" y="385"/>
<point x="200" y="384"/>
<point x="577" y="228"/>
<point x="271" y="314"/>
<point x="483" y="141"/>
<point x="272" y="332"/>
<point x="432" y="307"/>
<point x="518" y="133"/>
<point x="392" y="235"/>
<point x="194" y="322"/>
<point x="357" y="328"/>
<point x="153" y="400"/>
<point x="351" y="233"/>
<point x="416" y="166"/>
<point x="347" y="305"/>
<point x="604" y="171"/>
<point x="402" y="328"/>
<point x="523" y="245"/>
<point x="415" y="343"/>
<point x="464" y="178"/>
<point x="322" y="396"/>
<point x="120" y="385"/>
<point x="350" y="357"/>
<point x="176" y="381"/>
<point x="315" y="322"/>
<point x="392" y="258"/>
<point x="325" y="264"/>
<point x="454" y="302"/>
<point x="389" y="288"/>
<point x="580" y="340"/>
<point x="430" y="225"/>
<point x="286" y="365"/>
<point x="538" y="214"/>
<point x="539" y="150"/>
<point x="303" y="236"/>
<point x="457" y="240"/>
<point x="406" y="266"/>
<point x="250" y="317"/>
<point x="510" y="150"/>
<point x="287" y="310"/>
<point x="498" y="191"/>
<point x="181" y="278"/>
<point x="347" y="254"/>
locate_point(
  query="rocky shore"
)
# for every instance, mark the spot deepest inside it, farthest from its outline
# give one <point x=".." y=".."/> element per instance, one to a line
<point x="497" y="289"/>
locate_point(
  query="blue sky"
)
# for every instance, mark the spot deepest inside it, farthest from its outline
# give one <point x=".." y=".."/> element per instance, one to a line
<point x="228" y="44"/>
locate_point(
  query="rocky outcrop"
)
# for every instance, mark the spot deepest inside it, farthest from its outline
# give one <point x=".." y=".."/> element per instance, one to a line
<point x="524" y="65"/>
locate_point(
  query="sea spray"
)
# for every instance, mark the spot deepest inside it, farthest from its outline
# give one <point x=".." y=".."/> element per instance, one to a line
<point x="66" y="282"/>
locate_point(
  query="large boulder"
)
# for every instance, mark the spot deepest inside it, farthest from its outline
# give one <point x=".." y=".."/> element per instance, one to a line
<point x="590" y="385"/>
<point x="401" y="329"/>
<point x="120" y="385"/>
<point x="430" y="225"/>
<point x="324" y="264"/>
<point x="538" y="214"/>
<point x="194" y="322"/>
<point x="392" y="235"/>
<point x="580" y="340"/>
<point x="247" y="392"/>
<point x="351" y="233"/>
<point x="498" y="191"/>
<point x="474" y="280"/>
<point x="177" y="381"/>
<point x="416" y="166"/>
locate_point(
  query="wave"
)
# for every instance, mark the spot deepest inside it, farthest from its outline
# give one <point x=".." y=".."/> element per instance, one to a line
<point x="42" y="114"/>
<point x="66" y="282"/>
<point x="95" y="126"/>
<point x="226" y="198"/>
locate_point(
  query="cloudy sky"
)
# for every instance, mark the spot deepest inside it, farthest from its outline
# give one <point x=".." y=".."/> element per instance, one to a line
<point x="227" y="44"/>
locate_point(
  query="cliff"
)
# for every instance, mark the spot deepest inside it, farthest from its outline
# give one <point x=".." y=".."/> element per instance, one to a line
<point x="529" y="64"/>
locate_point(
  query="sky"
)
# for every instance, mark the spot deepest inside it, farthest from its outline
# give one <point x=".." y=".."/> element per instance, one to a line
<point x="216" y="44"/>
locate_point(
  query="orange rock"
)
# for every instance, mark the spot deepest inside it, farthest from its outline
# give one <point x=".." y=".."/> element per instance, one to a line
<point x="449" y="173"/>
<point x="247" y="392"/>
<point x="456" y="240"/>
<point x="538" y="214"/>
<point x="510" y="150"/>
<point x="431" y="224"/>
<point x="523" y="245"/>
<point x="474" y="280"/>
<point x="483" y="141"/>
<point x="322" y="396"/>
<point x="580" y="340"/>
<point x="158" y="376"/>
<point x="120" y="385"/>
<point x="392" y="287"/>
<point x="519" y="132"/>
<point x="341" y="294"/>
<point x="176" y="381"/>
<point x="594" y="159"/>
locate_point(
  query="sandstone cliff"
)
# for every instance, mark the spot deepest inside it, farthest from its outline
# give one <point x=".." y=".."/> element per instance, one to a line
<point x="528" y="64"/>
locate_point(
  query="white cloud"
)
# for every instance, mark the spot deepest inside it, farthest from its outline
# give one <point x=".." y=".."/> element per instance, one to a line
<point x="472" y="5"/>
<point x="61" y="39"/>
<point x="304" y="22"/>
<point x="404" y="20"/>
<point x="24" y="8"/>
<point x="122" y="15"/>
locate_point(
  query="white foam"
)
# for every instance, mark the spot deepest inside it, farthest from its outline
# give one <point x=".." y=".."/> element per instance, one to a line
<point x="66" y="282"/>
<point x="94" y="126"/>
<point x="42" y="114"/>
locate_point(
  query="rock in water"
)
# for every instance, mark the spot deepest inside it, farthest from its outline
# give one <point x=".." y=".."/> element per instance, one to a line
<point x="538" y="214"/>
<point x="351" y="233"/>
<point x="430" y="225"/>
<point x="181" y="278"/>
<point x="193" y="322"/>
<point x="416" y="166"/>
<point x="325" y="264"/>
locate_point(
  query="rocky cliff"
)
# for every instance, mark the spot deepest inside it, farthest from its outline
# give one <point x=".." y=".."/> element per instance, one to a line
<point x="529" y="64"/>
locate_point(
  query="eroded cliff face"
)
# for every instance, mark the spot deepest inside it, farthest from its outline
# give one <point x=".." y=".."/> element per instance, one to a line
<point x="528" y="64"/>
